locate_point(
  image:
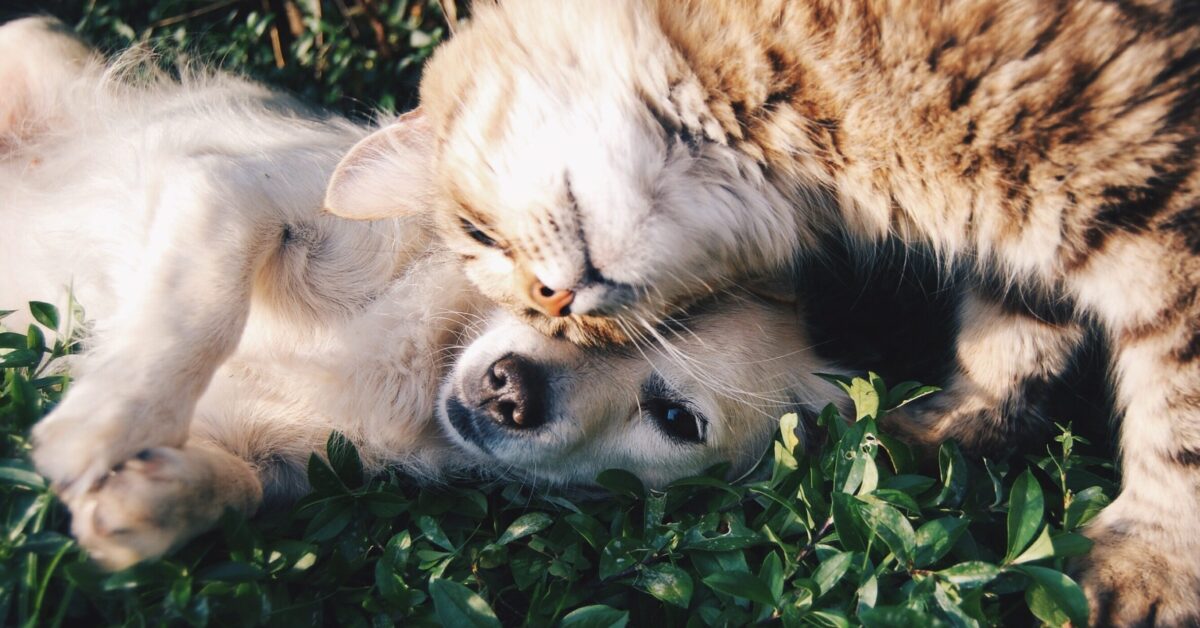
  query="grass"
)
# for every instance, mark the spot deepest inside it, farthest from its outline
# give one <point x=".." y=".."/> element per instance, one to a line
<point x="355" y="56"/>
<point x="857" y="534"/>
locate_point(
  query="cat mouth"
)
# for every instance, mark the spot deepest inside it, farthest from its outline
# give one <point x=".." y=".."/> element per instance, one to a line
<point x="631" y="324"/>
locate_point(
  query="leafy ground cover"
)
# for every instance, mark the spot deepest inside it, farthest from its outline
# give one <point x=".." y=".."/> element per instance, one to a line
<point x="356" y="56"/>
<point x="857" y="533"/>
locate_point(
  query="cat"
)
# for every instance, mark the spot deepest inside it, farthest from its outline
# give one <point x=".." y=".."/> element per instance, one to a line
<point x="599" y="164"/>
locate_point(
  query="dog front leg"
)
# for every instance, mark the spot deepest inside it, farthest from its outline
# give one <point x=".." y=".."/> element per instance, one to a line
<point x="183" y="315"/>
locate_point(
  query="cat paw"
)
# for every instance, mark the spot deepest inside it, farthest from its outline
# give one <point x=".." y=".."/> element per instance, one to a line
<point x="93" y="430"/>
<point x="145" y="507"/>
<point x="1130" y="581"/>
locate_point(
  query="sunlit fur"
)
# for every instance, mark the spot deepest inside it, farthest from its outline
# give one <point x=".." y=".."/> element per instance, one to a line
<point x="235" y="325"/>
<point x="671" y="147"/>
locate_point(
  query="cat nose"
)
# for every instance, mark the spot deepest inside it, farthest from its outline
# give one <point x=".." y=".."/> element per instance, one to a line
<point x="515" y="390"/>
<point x="551" y="302"/>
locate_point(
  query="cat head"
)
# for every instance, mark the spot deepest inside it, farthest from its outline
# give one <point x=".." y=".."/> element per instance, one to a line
<point x="576" y="169"/>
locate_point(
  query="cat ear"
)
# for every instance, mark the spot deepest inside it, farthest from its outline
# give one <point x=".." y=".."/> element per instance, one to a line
<point x="388" y="173"/>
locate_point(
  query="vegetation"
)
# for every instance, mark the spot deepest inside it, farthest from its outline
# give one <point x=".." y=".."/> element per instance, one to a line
<point x="356" y="56"/>
<point x="856" y="533"/>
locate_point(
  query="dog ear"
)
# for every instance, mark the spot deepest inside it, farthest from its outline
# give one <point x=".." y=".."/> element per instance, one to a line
<point x="39" y="59"/>
<point x="388" y="173"/>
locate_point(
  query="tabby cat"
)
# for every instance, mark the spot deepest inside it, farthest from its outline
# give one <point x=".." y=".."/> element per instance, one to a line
<point x="600" y="163"/>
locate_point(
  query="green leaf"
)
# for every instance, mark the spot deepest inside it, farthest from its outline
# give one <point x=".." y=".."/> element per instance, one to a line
<point x="970" y="574"/>
<point x="897" y="617"/>
<point x="44" y="313"/>
<point x="1062" y="545"/>
<point x="1069" y="544"/>
<point x="787" y="431"/>
<point x="456" y="605"/>
<point x="20" y="358"/>
<point x="865" y="395"/>
<point x="741" y="584"/>
<point x="1085" y="505"/>
<point x="20" y="473"/>
<point x="621" y="482"/>
<point x="13" y="340"/>
<point x="1025" y="512"/>
<point x="890" y="525"/>
<point x="588" y="528"/>
<point x="230" y="571"/>
<point x="524" y="526"/>
<point x="595" y="616"/>
<point x="901" y="455"/>
<point x="615" y="558"/>
<point x="344" y="460"/>
<point x="912" y="484"/>
<point x="331" y="520"/>
<point x="827" y="617"/>
<point x="896" y="498"/>
<point x="1042" y="547"/>
<point x="667" y="583"/>
<point x="935" y="538"/>
<point x="855" y="451"/>
<point x="433" y="532"/>
<point x="950" y="600"/>
<point x="737" y="537"/>
<point x="772" y="574"/>
<point x="385" y="505"/>
<point x="1052" y="596"/>
<point x="831" y="570"/>
<point x="848" y="521"/>
<point x="34" y="340"/>
<point x="322" y="477"/>
<point x="905" y="393"/>
<point x="953" y="469"/>
<point x="707" y="482"/>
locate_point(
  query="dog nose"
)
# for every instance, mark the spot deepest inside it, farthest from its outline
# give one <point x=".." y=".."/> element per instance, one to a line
<point x="550" y="301"/>
<point x="516" y="391"/>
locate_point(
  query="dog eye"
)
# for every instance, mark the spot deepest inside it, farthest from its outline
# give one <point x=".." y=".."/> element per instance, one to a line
<point x="676" y="421"/>
<point x="476" y="233"/>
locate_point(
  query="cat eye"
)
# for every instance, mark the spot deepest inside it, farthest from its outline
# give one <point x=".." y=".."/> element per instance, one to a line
<point x="676" y="421"/>
<point x="477" y="234"/>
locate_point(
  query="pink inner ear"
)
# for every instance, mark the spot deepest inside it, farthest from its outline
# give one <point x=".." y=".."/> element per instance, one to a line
<point x="16" y="123"/>
<point x="387" y="174"/>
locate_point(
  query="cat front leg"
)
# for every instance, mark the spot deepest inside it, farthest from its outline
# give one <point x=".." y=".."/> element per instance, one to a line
<point x="182" y="315"/>
<point x="1005" y="360"/>
<point x="1145" y="566"/>
<point x="1144" y="569"/>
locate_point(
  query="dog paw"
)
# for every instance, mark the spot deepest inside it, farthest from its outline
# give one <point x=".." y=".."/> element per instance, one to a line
<point x="93" y="430"/>
<point x="146" y="506"/>
<point x="1132" y="581"/>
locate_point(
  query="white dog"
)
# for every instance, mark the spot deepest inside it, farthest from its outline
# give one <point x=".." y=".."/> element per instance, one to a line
<point x="236" y="324"/>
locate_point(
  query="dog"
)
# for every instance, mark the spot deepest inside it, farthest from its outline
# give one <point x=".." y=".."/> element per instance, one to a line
<point x="235" y="324"/>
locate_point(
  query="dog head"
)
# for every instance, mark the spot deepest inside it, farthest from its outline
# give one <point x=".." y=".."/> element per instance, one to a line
<point x="706" y="389"/>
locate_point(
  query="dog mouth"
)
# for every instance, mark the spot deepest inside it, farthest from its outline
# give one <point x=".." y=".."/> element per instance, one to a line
<point x="460" y="417"/>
